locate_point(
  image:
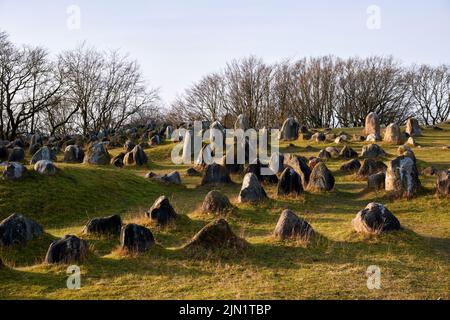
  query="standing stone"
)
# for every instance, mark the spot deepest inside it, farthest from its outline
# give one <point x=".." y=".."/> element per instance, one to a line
<point x="375" y="219"/>
<point x="370" y="167"/>
<point x="276" y="163"/>
<point x="321" y="179"/>
<point x="172" y="177"/>
<point x="43" y="153"/>
<point x="215" y="174"/>
<point x="290" y="226"/>
<point x="155" y="140"/>
<point x="372" y="151"/>
<point x="251" y="190"/>
<point x="34" y="148"/>
<point x="351" y="166"/>
<point x="318" y="137"/>
<point x="348" y="153"/>
<point x="117" y="161"/>
<point x="216" y="235"/>
<point x="300" y="165"/>
<point x="139" y="156"/>
<point x="443" y="183"/>
<point x="333" y="151"/>
<point x="402" y="177"/>
<point x="136" y="238"/>
<point x="216" y="202"/>
<point x="73" y="154"/>
<point x="69" y="249"/>
<point x="97" y="154"/>
<point x="376" y="181"/>
<point x="45" y="168"/>
<point x="324" y="155"/>
<point x="289" y="130"/>
<point x="104" y="226"/>
<point x="290" y="183"/>
<point x="17" y="154"/>
<point x="392" y="134"/>
<point x="188" y="146"/>
<point x="13" y="171"/>
<point x="128" y="159"/>
<point x="129" y="146"/>
<point x="413" y="128"/>
<point x="169" y="132"/>
<point x="242" y="123"/>
<point x="17" y="229"/>
<point x="372" y="126"/>
<point x="162" y="211"/>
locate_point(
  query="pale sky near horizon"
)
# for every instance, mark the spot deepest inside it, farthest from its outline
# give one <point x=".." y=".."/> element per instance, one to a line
<point x="177" y="42"/>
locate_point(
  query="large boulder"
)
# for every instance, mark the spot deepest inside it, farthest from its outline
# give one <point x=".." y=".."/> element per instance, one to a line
<point x="376" y="181"/>
<point x="402" y="177"/>
<point x="97" y="154"/>
<point x="351" y="166"/>
<point x="215" y="174"/>
<point x="16" y="154"/>
<point x="162" y="211"/>
<point x="370" y="167"/>
<point x="69" y="249"/>
<point x="413" y="128"/>
<point x="45" y="168"/>
<point x="290" y="183"/>
<point x="321" y="179"/>
<point x="17" y="229"/>
<point x="73" y="154"/>
<point x="348" y="153"/>
<point x="300" y="165"/>
<point x="136" y="238"/>
<point x="104" y="226"/>
<point x="44" y="153"/>
<point x="372" y="126"/>
<point x="443" y="183"/>
<point x="251" y="190"/>
<point x="392" y="134"/>
<point x="375" y="219"/>
<point x="216" y="202"/>
<point x="372" y="151"/>
<point x="12" y="170"/>
<point x="290" y="226"/>
<point x="289" y="130"/>
<point x="216" y="235"/>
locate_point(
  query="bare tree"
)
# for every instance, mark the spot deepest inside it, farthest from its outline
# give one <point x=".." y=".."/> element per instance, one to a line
<point x="430" y="88"/>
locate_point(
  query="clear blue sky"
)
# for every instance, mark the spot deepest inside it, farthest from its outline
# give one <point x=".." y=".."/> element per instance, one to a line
<point x="178" y="41"/>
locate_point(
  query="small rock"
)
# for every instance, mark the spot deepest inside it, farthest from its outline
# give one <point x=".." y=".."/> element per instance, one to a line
<point x="173" y="177"/>
<point x="443" y="183"/>
<point x="162" y="211"/>
<point x="69" y="249"/>
<point x="17" y="229"/>
<point x="351" y="166"/>
<point x="372" y="151"/>
<point x="13" y="171"/>
<point x="136" y="238"/>
<point x="216" y="202"/>
<point x="376" y="181"/>
<point x="290" y="226"/>
<point x="375" y="219"/>
<point x="348" y="153"/>
<point x="104" y="225"/>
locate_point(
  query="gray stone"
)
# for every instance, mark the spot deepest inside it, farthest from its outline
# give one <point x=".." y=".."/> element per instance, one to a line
<point x="289" y="130"/>
<point x="13" y="170"/>
<point x="251" y="190"/>
<point x="290" y="183"/>
<point x="97" y="154"/>
<point x="136" y="238"/>
<point x="402" y="177"/>
<point x="372" y="151"/>
<point x="73" y="154"/>
<point x="215" y="174"/>
<point x="139" y="156"/>
<point x="351" y="166"/>
<point x="348" y="153"/>
<point x="290" y="226"/>
<point x="44" y="153"/>
<point x="16" y="154"/>
<point x="104" y="225"/>
<point x="370" y="167"/>
<point x="173" y="177"/>
<point x="392" y="134"/>
<point x="376" y="181"/>
<point x="216" y="202"/>
<point x="443" y="183"/>
<point x="18" y="229"/>
<point x="45" y="168"/>
<point x="375" y="219"/>
<point x="162" y="211"/>
<point x="413" y="128"/>
<point x="321" y="179"/>
<point x="67" y="250"/>
<point x="372" y="126"/>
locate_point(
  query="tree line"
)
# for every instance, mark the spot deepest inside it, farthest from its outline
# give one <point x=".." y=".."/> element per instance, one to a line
<point x="319" y="92"/>
<point x="80" y="91"/>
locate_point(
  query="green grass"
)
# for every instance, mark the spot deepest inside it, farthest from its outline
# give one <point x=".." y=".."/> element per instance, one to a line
<point x="415" y="262"/>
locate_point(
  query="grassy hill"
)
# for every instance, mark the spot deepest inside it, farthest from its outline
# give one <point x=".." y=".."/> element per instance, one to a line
<point x="415" y="262"/>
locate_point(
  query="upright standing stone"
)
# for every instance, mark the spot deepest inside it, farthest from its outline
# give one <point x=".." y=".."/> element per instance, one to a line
<point x="289" y="130"/>
<point x="13" y="171"/>
<point x="67" y="250"/>
<point x="18" y="229"/>
<point x="402" y="177"/>
<point x="251" y="190"/>
<point x="413" y="128"/>
<point x="16" y="154"/>
<point x="375" y="219"/>
<point x="443" y="183"/>
<point x="372" y="126"/>
<point x="139" y="156"/>
<point x="290" y="183"/>
<point x="162" y="211"/>
<point x="321" y="179"/>
<point x="136" y="238"/>
<point x="215" y="174"/>
<point x="290" y="226"/>
<point x="73" y="154"/>
<point x="392" y="134"/>
<point x="97" y="154"/>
